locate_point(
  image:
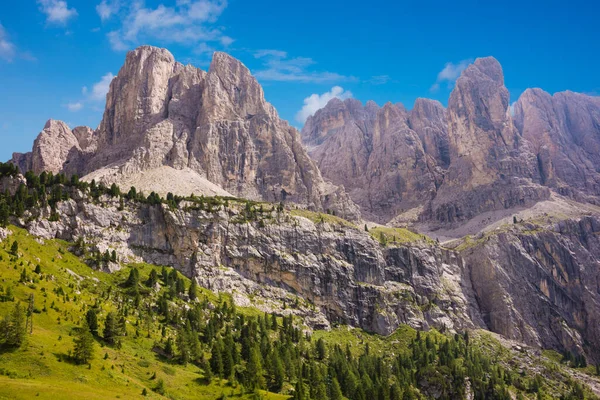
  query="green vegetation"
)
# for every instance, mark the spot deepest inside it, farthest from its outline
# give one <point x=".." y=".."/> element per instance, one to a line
<point x="386" y="235"/>
<point x="160" y="343"/>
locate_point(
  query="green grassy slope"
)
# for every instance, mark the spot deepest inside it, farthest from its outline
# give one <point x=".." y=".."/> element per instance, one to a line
<point x="65" y="288"/>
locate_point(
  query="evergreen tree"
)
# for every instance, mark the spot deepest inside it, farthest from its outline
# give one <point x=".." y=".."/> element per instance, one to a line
<point x="114" y="190"/>
<point x="253" y="375"/>
<point x="320" y="349"/>
<point x="92" y="321"/>
<point x="4" y="214"/>
<point x="83" y="352"/>
<point x="12" y="328"/>
<point x="335" y="392"/>
<point x="14" y="249"/>
<point x="152" y="279"/>
<point x="133" y="279"/>
<point x="216" y="360"/>
<point x="111" y="331"/>
<point x="193" y="290"/>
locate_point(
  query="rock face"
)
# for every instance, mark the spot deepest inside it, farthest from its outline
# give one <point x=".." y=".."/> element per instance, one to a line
<point x="340" y="270"/>
<point x="57" y="149"/>
<point x="374" y="154"/>
<point x="541" y="286"/>
<point x="537" y="284"/>
<point x="453" y="164"/>
<point x="217" y="124"/>
<point x="428" y="119"/>
<point x="564" y="132"/>
<point x="491" y="166"/>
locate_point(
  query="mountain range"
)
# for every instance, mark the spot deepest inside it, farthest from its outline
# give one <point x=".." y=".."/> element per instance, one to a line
<point x="512" y="198"/>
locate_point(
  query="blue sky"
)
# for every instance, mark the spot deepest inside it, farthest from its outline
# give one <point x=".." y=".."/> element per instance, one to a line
<point x="57" y="56"/>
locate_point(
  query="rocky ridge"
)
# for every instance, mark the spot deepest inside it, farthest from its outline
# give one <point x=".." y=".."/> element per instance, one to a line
<point x="478" y="158"/>
<point x="216" y="124"/>
<point x="534" y="281"/>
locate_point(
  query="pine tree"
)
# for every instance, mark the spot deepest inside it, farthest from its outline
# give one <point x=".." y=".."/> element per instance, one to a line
<point x="133" y="279"/>
<point x="114" y="190"/>
<point x="320" y="349"/>
<point x="83" y="352"/>
<point x="216" y="360"/>
<point x="335" y="392"/>
<point x="254" y="378"/>
<point x="193" y="290"/>
<point x="111" y="331"/>
<point x="152" y="279"/>
<point x="4" y="214"/>
<point x="14" y="249"/>
<point x="12" y="328"/>
<point x="92" y="321"/>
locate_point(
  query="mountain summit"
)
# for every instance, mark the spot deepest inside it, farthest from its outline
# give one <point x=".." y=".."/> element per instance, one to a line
<point x="174" y="128"/>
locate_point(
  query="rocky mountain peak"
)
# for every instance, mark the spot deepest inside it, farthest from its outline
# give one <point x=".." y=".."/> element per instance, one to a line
<point x="215" y="128"/>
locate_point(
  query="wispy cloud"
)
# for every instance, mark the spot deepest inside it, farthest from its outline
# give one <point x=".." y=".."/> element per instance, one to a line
<point x="379" y="79"/>
<point x="108" y="8"/>
<point x="188" y="22"/>
<point x="512" y="108"/>
<point x="315" y="102"/>
<point x="100" y="88"/>
<point x="94" y="97"/>
<point x="57" y="11"/>
<point x="75" y="106"/>
<point x="450" y="74"/>
<point x="277" y="66"/>
<point x="7" y="48"/>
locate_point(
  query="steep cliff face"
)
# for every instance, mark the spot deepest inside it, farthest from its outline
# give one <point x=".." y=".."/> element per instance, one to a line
<point x="165" y="117"/>
<point x="564" y="132"/>
<point x="491" y="166"/>
<point x="446" y="165"/>
<point x="374" y="154"/>
<point x="540" y="285"/>
<point x="429" y="120"/>
<point x="338" y="272"/>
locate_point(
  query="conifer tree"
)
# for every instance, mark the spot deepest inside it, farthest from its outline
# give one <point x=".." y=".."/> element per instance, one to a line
<point x="83" y="351"/>
<point x="92" y="321"/>
<point x="12" y="328"/>
<point x="111" y="331"/>
<point x="193" y="290"/>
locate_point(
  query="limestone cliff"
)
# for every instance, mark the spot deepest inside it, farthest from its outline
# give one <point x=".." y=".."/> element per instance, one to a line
<point x="564" y="132"/>
<point x="163" y="116"/>
<point x="374" y="154"/>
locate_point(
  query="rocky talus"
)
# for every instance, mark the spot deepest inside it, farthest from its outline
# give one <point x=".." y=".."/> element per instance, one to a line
<point x="216" y="124"/>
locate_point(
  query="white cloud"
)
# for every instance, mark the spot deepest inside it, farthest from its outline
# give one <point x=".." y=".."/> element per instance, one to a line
<point x="188" y="22"/>
<point x="512" y="108"/>
<point x="450" y="74"/>
<point x="107" y="9"/>
<point x="315" y="102"/>
<point x="278" y="67"/>
<point x="100" y="89"/>
<point x="75" y="106"/>
<point x="226" y="41"/>
<point x="57" y="11"/>
<point x="7" y="49"/>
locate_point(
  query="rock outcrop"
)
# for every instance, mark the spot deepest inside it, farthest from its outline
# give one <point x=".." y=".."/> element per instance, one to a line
<point x="330" y="270"/>
<point x="374" y="154"/>
<point x="541" y="286"/>
<point x="535" y="283"/>
<point x="216" y="124"/>
<point x="440" y="166"/>
<point x="564" y="132"/>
